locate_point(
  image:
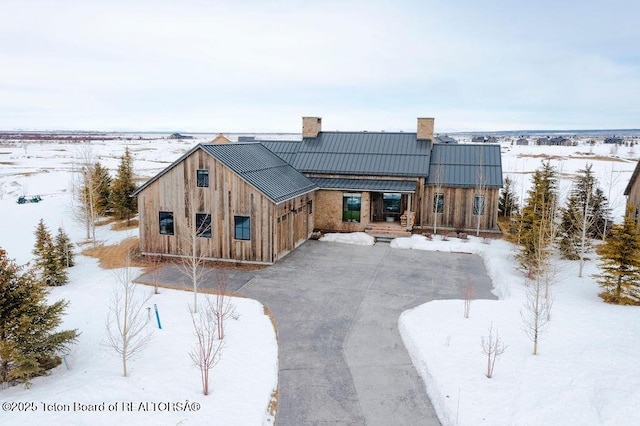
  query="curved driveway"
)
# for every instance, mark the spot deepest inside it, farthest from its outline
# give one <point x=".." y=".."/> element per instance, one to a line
<point x="341" y="358"/>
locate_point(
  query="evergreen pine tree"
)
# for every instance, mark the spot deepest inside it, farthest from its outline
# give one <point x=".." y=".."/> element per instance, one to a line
<point x="585" y="198"/>
<point x="47" y="261"/>
<point x="601" y="214"/>
<point x="620" y="263"/>
<point x="43" y="241"/>
<point x="538" y="213"/>
<point x="64" y="249"/>
<point x="570" y="235"/>
<point x="508" y="201"/>
<point x="102" y="187"/>
<point x="29" y="335"/>
<point x="123" y="204"/>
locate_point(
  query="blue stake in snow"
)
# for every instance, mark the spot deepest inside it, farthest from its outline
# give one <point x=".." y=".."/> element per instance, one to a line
<point x="155" y="307"/>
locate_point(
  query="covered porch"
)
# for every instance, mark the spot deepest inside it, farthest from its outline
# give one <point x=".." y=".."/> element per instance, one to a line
<point x="382" y="206"/>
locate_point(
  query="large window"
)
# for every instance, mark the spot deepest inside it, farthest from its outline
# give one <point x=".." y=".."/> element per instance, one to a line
<point x="242" y="227"/>
<point x="203" y="225"/>
<point x="438" y="202"/>
<point x="391" y="202"/>
<point x="203" y="177"/>
<point x="478" y="205"/>
<point x="166" y="223"/>
<point x="351" y="207"/>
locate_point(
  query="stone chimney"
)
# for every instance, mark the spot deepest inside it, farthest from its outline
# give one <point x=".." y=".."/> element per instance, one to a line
<point x="425" y="128"/>
<point x="311" y="126"/>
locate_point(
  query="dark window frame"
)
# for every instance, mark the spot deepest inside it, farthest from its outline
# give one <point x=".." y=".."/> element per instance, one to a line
<point x="203" y="225"/>
<point x="438" y="202"/>
<point x="169" y="227"/>
<point x="242" y="228"/>
<point x="202" y="178"/>
<point x="349" y="214"/>
<point x="392" y="202"/>
<point x="478" y="204"/>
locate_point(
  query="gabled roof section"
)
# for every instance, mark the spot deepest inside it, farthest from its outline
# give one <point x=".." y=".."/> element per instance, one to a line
<point x="466" y="165"/>
<point x="634" y="176"/>
<point x="364" y="153"/>
<point x="258" y="166"/>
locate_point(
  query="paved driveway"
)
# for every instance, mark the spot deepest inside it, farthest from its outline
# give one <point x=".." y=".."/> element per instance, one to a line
<point x="341" y="358"/>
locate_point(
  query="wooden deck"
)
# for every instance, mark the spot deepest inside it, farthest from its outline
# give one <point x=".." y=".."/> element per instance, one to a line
<point x="387" y="230"/>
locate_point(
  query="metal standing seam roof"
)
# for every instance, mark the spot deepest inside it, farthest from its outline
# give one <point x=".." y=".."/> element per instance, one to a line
<point x="286" y="150"/>
<point x="258" y="166"/>
<point x="264" y="170"/>
<point x="358" y="153"/>
<point x="365" y="184"/>
<point x="463" y="165"/>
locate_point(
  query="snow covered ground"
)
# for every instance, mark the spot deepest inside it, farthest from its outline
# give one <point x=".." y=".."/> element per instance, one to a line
<point x="586" y="373"/>
<point x="163" y="386"/>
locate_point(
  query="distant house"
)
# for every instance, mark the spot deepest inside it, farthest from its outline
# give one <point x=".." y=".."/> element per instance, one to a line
<point x="484" y="139"/>
<point x="179" y="136"/>
<point x="522" y="141"/>
<point x="614" y="140"/>
<point x="263" y="198"/>
<point x="556" y="140"/>
<point x="445" y="139"/>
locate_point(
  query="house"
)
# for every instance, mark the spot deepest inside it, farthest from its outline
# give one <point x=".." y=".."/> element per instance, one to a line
<point x="236" y="202"/>
<point x="263" y="198"/>
<point x="522" y="141"/>
<point x="632" y="191"/>
<point x="365" y="178"/>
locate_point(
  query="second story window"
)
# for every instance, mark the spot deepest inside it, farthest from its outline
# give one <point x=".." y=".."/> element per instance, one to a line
<point x="203" y="178"/>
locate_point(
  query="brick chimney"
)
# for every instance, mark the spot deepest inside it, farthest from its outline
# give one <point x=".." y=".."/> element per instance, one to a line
<point x="311" y="126"/>
<point x="425" y="128"/>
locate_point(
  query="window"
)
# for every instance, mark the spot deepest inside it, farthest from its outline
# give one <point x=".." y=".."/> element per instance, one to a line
<point x="166" y="223"/>
<point x="391" y="203"/>
<point x="438" y="202"/>
<point x="310" y="209"/>
<point x="203" y="225"/>
<point x="478" y="205"/>
<point x="243" y="227"/>
<point x="351" y="207"/>
<point x="203" y="177"/>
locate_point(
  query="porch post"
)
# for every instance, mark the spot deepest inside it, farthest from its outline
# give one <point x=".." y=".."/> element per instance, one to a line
<point x="409" y="212"/>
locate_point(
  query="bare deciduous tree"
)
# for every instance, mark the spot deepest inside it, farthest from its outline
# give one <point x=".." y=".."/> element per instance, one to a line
<point x="208" y="349"/>
<point x="480" y="193"/>
<point x="224" y="309"/>
<point x="126" y="324"/>
<point x="438" y="195"/>
<point x="611" y="180"/>
<point x="192" y="259"/>
<point x="87" y="186"/>
<point x="537" y="308"/>
<point x="468" y="296"/>
<point x="492" y="347"/>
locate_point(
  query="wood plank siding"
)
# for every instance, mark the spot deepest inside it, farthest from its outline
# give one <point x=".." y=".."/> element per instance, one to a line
<point x="274" y="229"/>
<point x="457" y="211"/>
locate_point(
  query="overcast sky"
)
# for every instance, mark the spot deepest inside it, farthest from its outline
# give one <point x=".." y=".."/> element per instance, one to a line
<point x="229" y="66"/>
